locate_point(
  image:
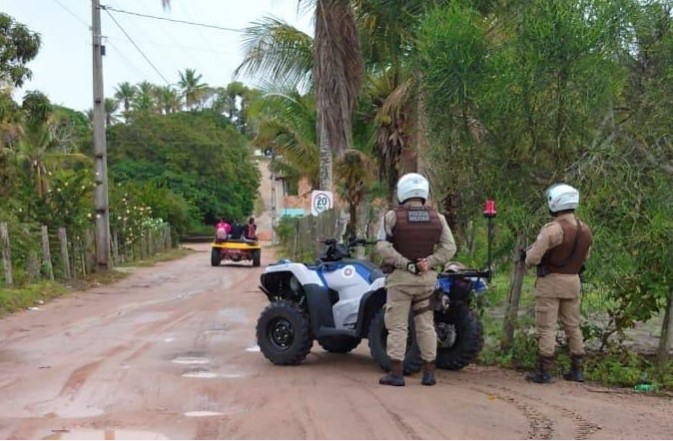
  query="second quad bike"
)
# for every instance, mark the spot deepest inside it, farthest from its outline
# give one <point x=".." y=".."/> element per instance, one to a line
<point x="236" y="250"/>
<point x="339" y="301"/>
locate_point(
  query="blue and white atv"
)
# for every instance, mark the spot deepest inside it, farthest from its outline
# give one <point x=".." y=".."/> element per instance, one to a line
<point x="338" y="301"/>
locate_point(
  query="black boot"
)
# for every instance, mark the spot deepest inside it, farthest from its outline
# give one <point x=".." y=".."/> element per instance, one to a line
<point x="543" y="373"/>
<point x="394" y="377"/>
<point x="576" y="372"/>
<point x="428" y="373"/>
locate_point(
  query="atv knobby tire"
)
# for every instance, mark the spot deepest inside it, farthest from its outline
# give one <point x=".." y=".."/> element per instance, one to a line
<point x="215" y="257"/>
<point x="469" y="338"/>
<point x="339" y="344"/>
<point x="284" y="333"/>
<point x="256" y="257"/>
<point x="377" y="337"/>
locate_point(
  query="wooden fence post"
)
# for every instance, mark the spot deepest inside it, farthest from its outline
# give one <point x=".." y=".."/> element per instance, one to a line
<point x="666" y="338"/>
<point x="150" y="243"/>
<point x="89" y="252"/>
<point x="143" y="239"/>
<point x="46" y="253"/>
<point x="115" y="248"/>
<point x="74" y="244"/>
<point x="63" y="239"/>
<point x="6" y="254"/>
<point x="512" y="313"/>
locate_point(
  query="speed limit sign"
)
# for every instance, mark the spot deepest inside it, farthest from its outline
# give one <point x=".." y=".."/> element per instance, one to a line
<point x="321" y="201"/>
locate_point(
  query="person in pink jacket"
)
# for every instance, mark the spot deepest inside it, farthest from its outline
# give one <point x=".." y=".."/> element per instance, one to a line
<point x="222" y="230"/>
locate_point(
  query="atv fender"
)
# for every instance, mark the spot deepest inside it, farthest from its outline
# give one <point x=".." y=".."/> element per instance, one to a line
<point x="370" y="304"/>
<point x="276" y="278"/>
<point x="318" y="300"/>
<point x="319" y="307"/>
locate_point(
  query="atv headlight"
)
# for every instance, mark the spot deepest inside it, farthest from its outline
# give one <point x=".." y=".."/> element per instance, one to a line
<point x="295" y="286"/>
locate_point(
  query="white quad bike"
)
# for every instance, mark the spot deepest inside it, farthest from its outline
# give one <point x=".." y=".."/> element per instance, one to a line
<point x="338" y="301"/>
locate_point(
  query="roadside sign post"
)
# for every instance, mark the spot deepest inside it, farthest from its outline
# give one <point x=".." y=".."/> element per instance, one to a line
<point x="321" y="201"/>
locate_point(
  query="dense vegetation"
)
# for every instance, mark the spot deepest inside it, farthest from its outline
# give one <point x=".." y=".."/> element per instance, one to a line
<point x="494" y="99"/>
<point x="500" y="100"/>
<point x="174" y="155"/>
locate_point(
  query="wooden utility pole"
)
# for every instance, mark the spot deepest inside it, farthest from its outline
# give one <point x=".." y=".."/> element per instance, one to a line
<point x="99" y="145"/>
<point x="274" y="208"/>
<point x="6" y="253"/>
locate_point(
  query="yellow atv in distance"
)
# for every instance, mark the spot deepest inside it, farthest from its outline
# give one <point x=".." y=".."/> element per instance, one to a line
<point x="236" y="250"/>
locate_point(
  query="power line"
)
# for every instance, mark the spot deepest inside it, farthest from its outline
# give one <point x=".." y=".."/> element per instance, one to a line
<point x="154" y="17"/>
<point x="172" y="46"/>
<point x="171" y="36"/>
<point x="184" y="9"/>
<point x="136" y="46"/>
<point x="129" y="63"/>
<point x="72" y="13"/>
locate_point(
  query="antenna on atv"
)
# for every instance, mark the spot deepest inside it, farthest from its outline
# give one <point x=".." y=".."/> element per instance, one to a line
<point x="489" y="213"/>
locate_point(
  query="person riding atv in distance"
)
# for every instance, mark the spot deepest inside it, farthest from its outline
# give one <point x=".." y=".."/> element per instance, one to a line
<point x="251" y="229"/>
<point x="222" y="230"/>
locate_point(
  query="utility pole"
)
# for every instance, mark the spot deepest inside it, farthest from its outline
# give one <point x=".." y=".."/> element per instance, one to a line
<point x="99" y="145"/>
<point x="274" y="214"/>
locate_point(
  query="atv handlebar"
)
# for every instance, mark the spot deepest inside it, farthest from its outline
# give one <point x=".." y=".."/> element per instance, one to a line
<point x="485" y="274"/>
<point x="353" y="243"/>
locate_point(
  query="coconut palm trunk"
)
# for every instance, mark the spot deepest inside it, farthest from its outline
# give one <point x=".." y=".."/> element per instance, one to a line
<point x="337" y="78"/>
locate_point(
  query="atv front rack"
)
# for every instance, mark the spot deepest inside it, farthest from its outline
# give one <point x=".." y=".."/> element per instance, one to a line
<point x="480" y="274"/>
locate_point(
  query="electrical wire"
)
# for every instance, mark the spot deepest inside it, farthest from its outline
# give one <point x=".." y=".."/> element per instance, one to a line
<point x="189" y="17"/>
<point x="172" y="46"/>
<point x="72" y="13"/>
<point x="171" y="36"/>
<point x="154" y="17"/>
<point x="129" y="64"/>
<point x="136" y="46"/>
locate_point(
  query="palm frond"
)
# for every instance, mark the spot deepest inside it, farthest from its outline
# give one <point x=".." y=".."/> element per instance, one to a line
<point x="275" y="49"/>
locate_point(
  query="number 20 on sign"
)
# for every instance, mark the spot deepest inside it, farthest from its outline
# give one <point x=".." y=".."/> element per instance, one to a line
<point x="320" y="201"/>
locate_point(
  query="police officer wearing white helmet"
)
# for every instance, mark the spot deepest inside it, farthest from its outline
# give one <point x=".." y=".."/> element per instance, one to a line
<point x="413" y="239"/>
<point x="559" y="252"/>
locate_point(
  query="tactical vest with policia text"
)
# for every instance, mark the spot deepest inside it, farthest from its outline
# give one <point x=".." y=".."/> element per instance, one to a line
<point x="569" y="256"/>
<point x="416" y="231"/>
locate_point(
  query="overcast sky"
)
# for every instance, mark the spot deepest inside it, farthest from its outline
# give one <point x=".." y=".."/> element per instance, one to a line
<point x="62" y="69"/>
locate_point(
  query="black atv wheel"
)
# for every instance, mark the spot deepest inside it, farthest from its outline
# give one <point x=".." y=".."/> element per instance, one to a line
<point x="459" y="337"/>
<point x="339" y="344"/>
<point x="378" y="336"/>
<point x="215" y="257"/>
<point x="284" y="333"/>
<point x="256" y="257"/>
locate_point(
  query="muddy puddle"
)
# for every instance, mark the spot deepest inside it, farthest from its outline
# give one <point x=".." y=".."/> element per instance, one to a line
<point x="102" y="434"/>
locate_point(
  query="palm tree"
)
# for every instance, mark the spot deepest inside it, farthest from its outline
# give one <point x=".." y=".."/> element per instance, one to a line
<point x="111" y="106"/>
<point x="286" y="123"/>
<point x="331" y="61"/>
<point x="277" y="50"/>
<point x="126" y="93"/>
<point x="389" y="45"/>
<point x="168" y="99"/>
<point x="42" y="144"/>
<point x="145" y="98"/>
<point x="337" y="76"/>
<point x="193" y="90"/>
<point x="354" y="171"/>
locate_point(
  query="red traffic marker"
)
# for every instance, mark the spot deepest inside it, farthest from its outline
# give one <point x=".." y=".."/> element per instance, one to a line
<point x="489" y="208"/>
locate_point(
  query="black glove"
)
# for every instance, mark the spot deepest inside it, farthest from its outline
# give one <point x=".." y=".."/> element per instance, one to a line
<point x="522" y="255"/>
<point x="412" y="268"/>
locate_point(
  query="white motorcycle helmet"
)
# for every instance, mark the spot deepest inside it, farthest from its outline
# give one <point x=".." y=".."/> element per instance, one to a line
<point x="412" y="185"/>
<point x="561" y="197"/>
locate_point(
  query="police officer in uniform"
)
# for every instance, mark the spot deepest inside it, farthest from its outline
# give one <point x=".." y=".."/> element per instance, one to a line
<point x="412" y="239"/>
<point x="559" y="252"/>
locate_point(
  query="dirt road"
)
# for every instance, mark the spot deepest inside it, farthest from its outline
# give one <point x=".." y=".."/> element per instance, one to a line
<point x="170" y="352"/>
